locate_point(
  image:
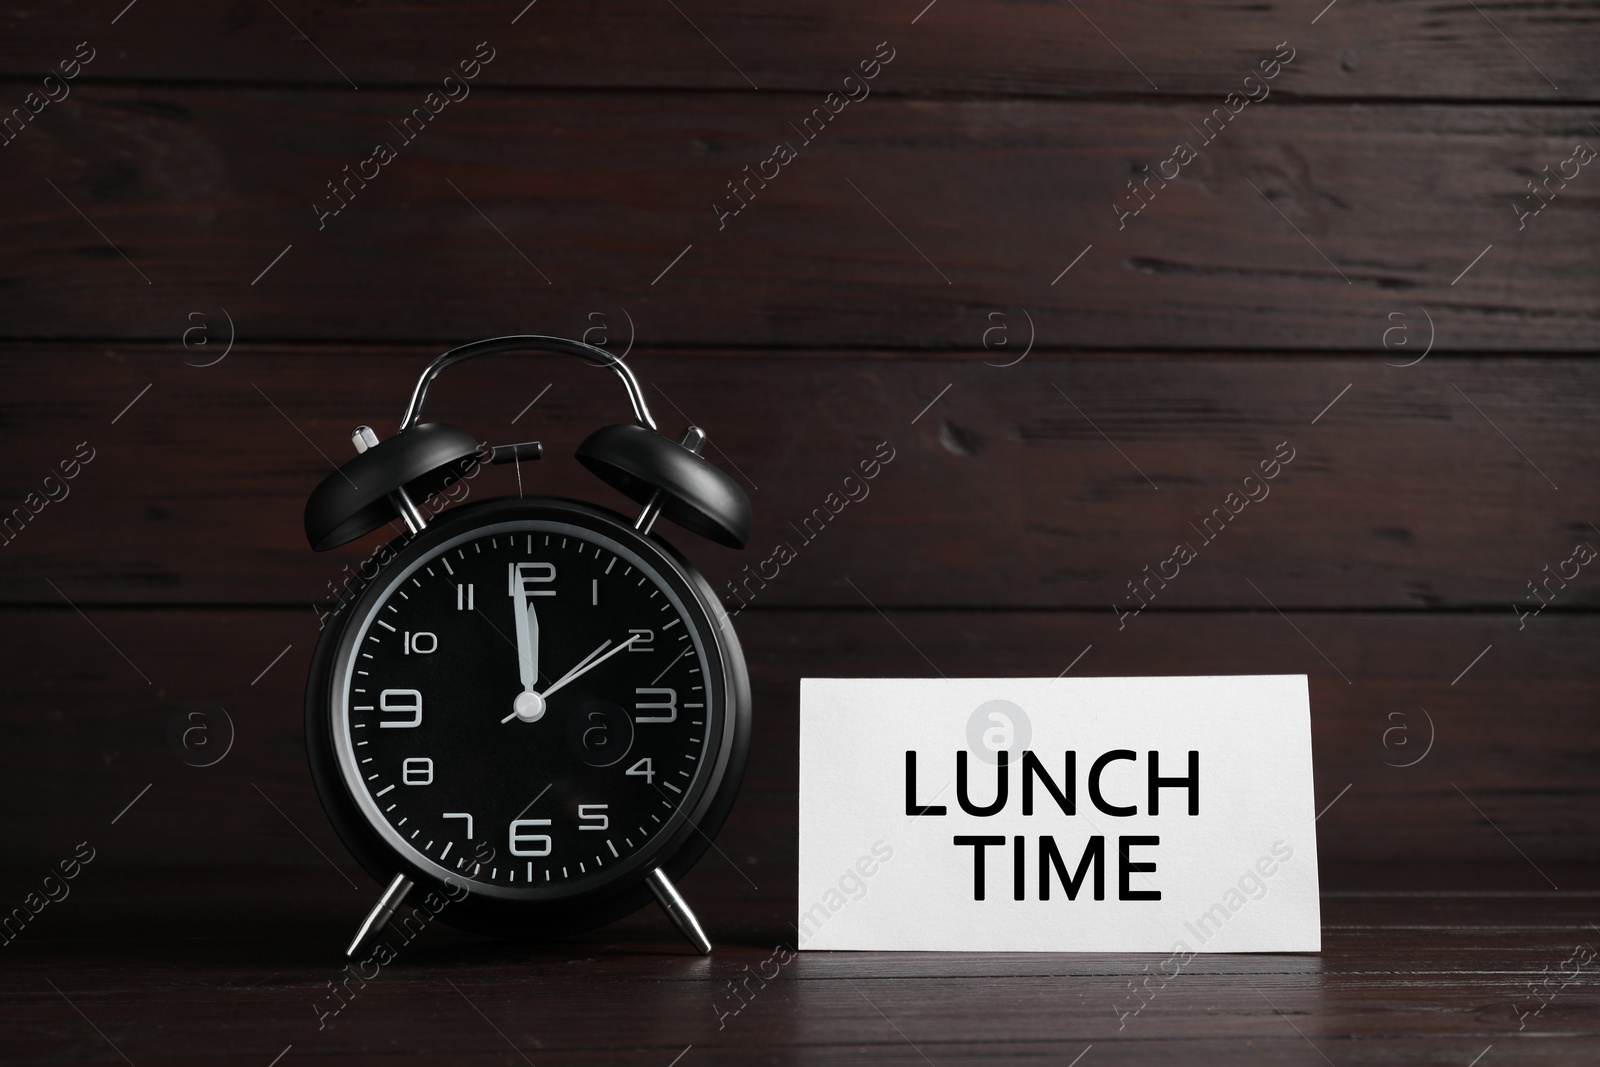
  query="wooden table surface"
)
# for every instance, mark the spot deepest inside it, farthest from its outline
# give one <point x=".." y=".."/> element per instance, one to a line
<point x="196" y="966"/>
<point x="175" y="966"/>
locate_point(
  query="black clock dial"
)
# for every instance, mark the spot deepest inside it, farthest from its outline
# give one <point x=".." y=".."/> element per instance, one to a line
<point x="526" y="707"/>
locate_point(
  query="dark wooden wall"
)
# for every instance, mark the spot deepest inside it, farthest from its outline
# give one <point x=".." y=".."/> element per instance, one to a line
<point x="1362" y="215"/>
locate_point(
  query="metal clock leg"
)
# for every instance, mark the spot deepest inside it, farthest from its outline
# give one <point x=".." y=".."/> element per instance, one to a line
<point x="380" y="914"/>
<point x="678" y="911"/>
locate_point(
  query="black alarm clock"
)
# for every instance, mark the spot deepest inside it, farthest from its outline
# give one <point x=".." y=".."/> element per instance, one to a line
<point x="535" y="709"/>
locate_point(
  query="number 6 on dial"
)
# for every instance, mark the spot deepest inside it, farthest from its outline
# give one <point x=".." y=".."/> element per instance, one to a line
<point x="526" y="844"/>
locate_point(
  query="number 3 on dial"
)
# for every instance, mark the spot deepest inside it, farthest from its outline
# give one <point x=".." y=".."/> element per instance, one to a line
<point x="670" y="704"/>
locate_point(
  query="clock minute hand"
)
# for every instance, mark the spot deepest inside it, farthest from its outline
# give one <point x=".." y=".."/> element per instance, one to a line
<point x="537" y="700"/>
<point x="533" y="701"/>
<point x="584" y="662"/>
<point x="588" y="665"/>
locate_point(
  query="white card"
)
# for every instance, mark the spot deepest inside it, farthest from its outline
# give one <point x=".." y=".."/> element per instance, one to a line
<point x="1237" y="875"/>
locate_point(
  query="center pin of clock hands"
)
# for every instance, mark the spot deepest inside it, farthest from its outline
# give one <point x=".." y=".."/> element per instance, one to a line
<point x="588" y="663"/>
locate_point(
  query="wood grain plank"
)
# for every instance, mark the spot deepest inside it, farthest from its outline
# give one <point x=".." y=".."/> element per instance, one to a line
<point x="903" y="223"/>
<point x="175" y="963"/>
<point x="1360" y="48"/>
<point x="1514" y="736"/>
<point x="1022" y="486"/>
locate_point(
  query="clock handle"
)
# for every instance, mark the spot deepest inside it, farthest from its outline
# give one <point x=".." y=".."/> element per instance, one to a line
<point x="380" y="915"/>
<point x="677" y="910"/>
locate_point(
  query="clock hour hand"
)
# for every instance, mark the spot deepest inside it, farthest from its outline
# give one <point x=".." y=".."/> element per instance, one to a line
<point x="527" y="646"/>
<point x="528" y="705"/>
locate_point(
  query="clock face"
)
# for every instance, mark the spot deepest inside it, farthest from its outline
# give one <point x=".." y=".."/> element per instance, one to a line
<point x="530" y="707"/>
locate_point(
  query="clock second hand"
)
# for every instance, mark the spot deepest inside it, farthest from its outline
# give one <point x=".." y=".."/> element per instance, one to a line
<point x="588" y="663"/>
